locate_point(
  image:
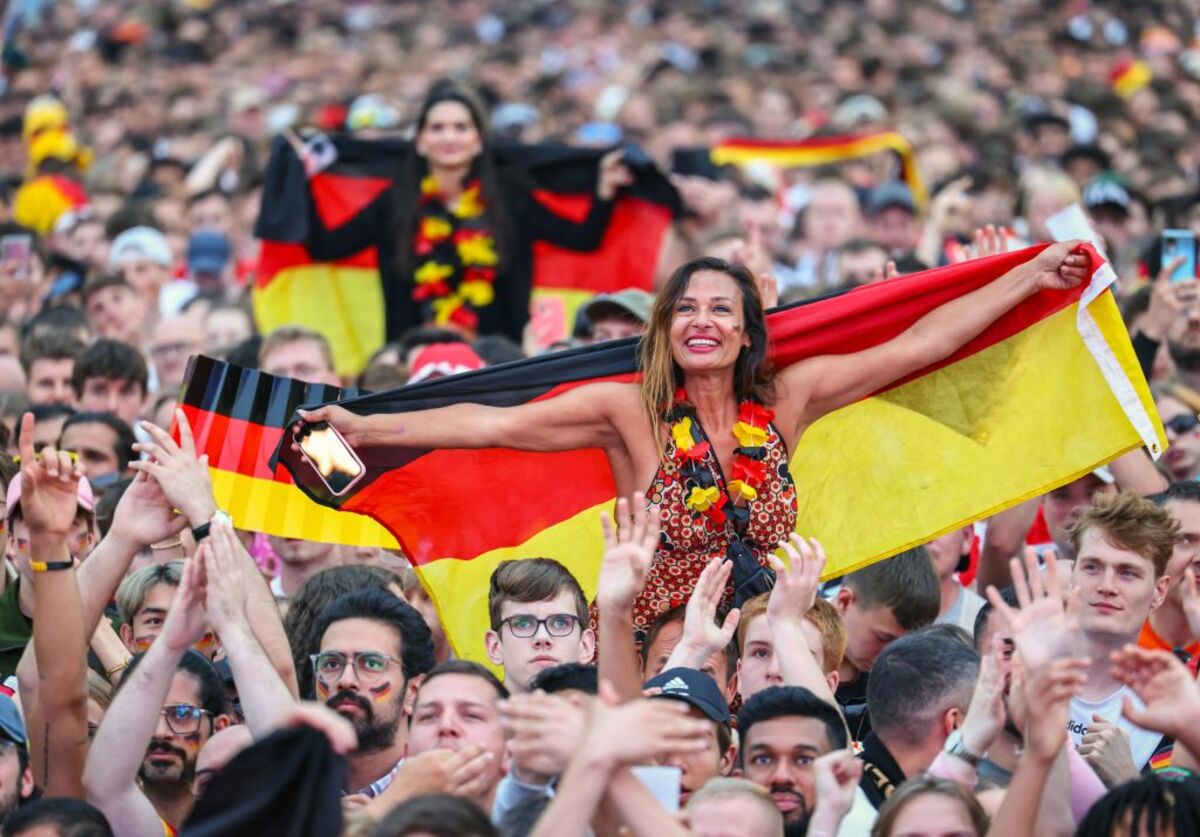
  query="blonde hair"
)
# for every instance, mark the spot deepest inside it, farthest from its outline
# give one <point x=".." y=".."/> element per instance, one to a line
<point x="823" y="616"/>
<point x="728" y="788"/>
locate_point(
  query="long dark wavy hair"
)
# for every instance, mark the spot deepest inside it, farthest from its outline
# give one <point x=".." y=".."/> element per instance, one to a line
<point x="753" y="375"/>
<point x="415" y="167"/>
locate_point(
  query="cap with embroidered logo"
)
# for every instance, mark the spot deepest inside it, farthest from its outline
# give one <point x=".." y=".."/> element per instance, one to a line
<point x="692" y="687"/>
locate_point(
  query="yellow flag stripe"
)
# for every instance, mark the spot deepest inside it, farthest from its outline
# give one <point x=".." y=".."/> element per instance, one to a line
<point x="343" y="303"/>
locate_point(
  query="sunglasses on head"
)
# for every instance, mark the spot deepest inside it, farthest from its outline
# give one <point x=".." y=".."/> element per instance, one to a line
<point x="1183" y="423"/>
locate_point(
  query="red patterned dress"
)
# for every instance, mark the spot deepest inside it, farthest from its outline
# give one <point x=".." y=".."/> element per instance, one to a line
<point x="689" y="540"/>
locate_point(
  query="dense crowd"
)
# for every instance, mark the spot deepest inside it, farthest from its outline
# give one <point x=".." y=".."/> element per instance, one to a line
<point x="169" y="672"/>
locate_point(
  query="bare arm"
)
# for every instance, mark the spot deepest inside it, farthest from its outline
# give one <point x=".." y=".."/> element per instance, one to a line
<point x="1003" y="539"/>
<point x="58" y="723"/>
<point x="185" y="480"/>
<point x="628" y="553"/>
<point x="110" y="776"/>
<point x="793" y="596"/>
<point x="823" y="384"/>
<point x="266" y="701"/>
<point x="1136" y="471"/>
<point x="579" y="418"/>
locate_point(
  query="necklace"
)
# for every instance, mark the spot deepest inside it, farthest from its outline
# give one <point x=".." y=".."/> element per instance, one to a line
<point x="703" y="496"/>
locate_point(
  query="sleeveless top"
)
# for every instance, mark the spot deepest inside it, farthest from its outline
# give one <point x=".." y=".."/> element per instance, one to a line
<point x="689" y="540"/>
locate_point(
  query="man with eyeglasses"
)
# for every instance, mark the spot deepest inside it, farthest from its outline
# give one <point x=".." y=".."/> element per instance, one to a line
<point x="374" y="648"/>
<point x="539" y="619"/>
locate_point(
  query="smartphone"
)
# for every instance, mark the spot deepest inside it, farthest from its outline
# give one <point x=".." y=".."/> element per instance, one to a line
<point x="16" y="254"/>
<point x="1176" y="243"/>
<point x="335" y="462"/>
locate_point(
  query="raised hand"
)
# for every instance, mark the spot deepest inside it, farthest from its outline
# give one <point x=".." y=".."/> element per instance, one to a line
<point x="612" y="175"/>
<point x="702" y="635"/>
<point x="755" y="257"/>
<point x="49" y="486"/>
<point x="183" y="476"/>
<point x="1048" y="693"/>
<point x="1041" y="625"/>
<point x="628" y="552"/>
<point x="144" y="515"/>
<point x="352" y="427"/>
<point x="989" y="241"/>
<point x="1189" y="593"/>
<point x="796" y="581"/>
<point x="641" y="730"/>
<point x="1105" y="746"/>
<point x="950" y="205"/>
<point x="1058" y="267"/>
<point x="986" y="714"/>
<point x="1163" y="683"/>
<point x="544" y="731"/>
<point x="1168" y="301"/>
<point x="464" y="772"/>
<point x="836" y="776"/>
<point x="187" y="620"/>
<point x="225" y="563"/>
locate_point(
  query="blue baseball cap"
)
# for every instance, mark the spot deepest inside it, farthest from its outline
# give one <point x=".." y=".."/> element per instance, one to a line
<point x="208" y="252"/>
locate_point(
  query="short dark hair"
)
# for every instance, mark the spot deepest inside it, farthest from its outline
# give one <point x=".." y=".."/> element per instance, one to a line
<point x="106" y="503"/>
<point x="916" y="678"/>
<point x="496" y="349"/>
<point x="1009" y="596"/>
<point x="905" y="584"/>
<point x="439" y="814"/>
<point x="567" y="676"/>
<point x="533" y="580"/>
<point x="416" y="642"/>
<point x="98" y="283"/>
<point x="309" y="603"/>
<point x="1160" y="805"/>
<point x="109" y="359"/>
<point x="200" y="668"/>
<point x="677" y="614"/>
<point x="122" y="445"/>
<point x="468" y="667"/>
<point x="1184" y="491"/>
<point x="427" y="336"/>
<point x="68" y="817"/>
<point x="50" y="345"/>
<point x="57" y="318"/>
<point x="785" y="701"/>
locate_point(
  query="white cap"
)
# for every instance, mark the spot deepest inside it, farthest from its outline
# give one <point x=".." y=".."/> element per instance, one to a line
<point x="140" y="244"/>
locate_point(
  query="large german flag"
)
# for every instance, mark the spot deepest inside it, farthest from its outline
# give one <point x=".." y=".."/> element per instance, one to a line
<point x="325" y="221"/>
<point x="821" y="151"/>
<point x="1048" y="392"/>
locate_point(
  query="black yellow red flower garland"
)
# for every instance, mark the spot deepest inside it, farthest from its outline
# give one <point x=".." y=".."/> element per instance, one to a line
<point x="456" y="274"/>
<point x="749" y="465"/>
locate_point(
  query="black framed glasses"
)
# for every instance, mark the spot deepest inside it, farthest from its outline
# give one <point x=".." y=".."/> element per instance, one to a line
<point x="524" y="626"/>
<point x="1182" y="423"/>
<point x="183" y="718"/>
<point x="369" y="666"/>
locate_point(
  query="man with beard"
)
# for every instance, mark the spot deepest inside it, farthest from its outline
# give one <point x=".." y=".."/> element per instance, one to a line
<point x="170" y="703"/>
<point x="784" y="729"/>
<point x="374" y="650"/>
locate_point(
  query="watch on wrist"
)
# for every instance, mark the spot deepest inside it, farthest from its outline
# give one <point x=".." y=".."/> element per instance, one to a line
<point x="956" y="747"/>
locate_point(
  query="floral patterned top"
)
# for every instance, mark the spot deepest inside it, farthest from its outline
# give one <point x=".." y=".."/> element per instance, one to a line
<point x="690" y="539"/>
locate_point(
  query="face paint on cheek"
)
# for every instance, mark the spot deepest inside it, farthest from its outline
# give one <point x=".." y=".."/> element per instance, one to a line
<point x="143" y="643"/>
<point x="381" y="693"/>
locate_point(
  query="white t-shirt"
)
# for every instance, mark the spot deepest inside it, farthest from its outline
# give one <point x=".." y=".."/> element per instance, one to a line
<point x="1142" y="742"/>
<point x="964" y="610"/>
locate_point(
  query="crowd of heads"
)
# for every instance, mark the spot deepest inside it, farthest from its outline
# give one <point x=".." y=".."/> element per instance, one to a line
<point x="917" y="693"/>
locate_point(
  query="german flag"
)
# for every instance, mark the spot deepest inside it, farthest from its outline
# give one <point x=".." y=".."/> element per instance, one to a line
<point x="324" y="224"/>
<point x="1047" y="393"/>
<point x="821" y="151"/>
<point x="238" y="417"/>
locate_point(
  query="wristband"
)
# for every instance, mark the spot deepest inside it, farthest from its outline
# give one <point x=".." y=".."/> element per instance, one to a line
<point x="119" y="667"/>
<point x="201" y="531"/>
<point x="50" y="566"/>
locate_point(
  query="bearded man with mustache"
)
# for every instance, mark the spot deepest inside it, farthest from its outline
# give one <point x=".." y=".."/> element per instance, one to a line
<point x="374" y="650"/>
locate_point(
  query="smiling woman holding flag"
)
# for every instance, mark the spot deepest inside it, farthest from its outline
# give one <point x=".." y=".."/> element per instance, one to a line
<point x="705" y="434"/>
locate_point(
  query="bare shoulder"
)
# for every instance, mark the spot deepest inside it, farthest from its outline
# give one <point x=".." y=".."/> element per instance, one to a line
<point x="614" y="398"/>
<point x="792" y="390"/>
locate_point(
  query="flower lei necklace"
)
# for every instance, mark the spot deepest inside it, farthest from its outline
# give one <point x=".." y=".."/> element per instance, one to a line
<point x="450" y="232"/>
<point x="749" y="465"/>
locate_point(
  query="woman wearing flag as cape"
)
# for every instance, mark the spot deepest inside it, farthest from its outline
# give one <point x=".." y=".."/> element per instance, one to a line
<point x="705" y="434"/>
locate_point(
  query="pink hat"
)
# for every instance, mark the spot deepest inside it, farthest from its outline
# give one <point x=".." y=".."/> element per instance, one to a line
<point x="438" y="360"/>
<point x="87" y="500"/>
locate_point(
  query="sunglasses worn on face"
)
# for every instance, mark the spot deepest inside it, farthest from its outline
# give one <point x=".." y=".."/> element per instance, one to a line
<point x="1184" y="423"/>
<point x="183" y="718"/>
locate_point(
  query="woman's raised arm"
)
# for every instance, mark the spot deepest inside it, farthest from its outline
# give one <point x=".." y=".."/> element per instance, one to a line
<point x="579" y="418"/>
<point x="820" y="385"/>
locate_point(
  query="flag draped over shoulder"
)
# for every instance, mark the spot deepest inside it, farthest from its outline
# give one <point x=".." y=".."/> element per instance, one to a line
<point x="821" y="151"/>
<point x="330" y="196"/>
<point x="1048" y="392"/>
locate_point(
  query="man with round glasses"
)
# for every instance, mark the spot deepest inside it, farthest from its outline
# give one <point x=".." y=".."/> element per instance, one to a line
<point x="374" y="647"/>
<point x="539" y="619"/>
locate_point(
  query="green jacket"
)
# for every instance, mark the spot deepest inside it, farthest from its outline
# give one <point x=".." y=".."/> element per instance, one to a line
<point x="15" y="629"/>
